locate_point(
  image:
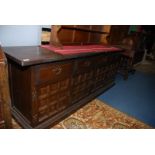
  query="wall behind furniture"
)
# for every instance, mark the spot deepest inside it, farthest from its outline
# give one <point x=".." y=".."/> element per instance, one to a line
<point x="20" y="35"/>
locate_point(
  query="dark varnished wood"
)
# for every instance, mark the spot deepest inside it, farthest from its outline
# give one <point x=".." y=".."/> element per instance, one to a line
<point x="56" y="71"/>
<point x="37" y="55"/>
<point x="117" y="33"/>
<point x="5" y="102"/>
<point x="30" y="55"/>
<point x="43" y="92"/>
<point x="66" y="36"/>
<point x="21" y="83"/>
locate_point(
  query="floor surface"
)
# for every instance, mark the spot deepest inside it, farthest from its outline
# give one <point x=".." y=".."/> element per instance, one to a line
<point x="135" y="96"/>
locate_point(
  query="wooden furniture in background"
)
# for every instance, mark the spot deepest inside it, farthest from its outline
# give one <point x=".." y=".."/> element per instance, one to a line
<point x="5" y="102"/>
<point x="127" y="57"/>
<point x="46" y="33"/>
<point x="117" y="33"/>
<point x="139" y="41"/>
<point x="134" y="46"/>
<point x="76" y="34"/>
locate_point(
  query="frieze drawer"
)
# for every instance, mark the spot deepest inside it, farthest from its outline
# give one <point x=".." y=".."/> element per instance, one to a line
<point x="52" y="72"/>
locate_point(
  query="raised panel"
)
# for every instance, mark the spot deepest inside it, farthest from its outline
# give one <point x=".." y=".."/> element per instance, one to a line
<point x="81" y="85"/>
<point x="52" y="98"/>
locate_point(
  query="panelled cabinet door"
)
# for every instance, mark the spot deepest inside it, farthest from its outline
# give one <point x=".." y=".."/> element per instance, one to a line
<point x="52" y="98"/>
<point x="53" y="89"/>
<point x="82" y="79"/>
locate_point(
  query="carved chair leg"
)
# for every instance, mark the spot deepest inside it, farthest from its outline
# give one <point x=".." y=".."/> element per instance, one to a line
<point x="126" y="66"/>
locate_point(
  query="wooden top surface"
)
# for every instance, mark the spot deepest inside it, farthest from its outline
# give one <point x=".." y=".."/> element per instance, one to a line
<point x="32" y="55"/>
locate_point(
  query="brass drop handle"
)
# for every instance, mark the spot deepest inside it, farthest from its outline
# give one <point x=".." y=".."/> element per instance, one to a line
<point x="57" y="70"/>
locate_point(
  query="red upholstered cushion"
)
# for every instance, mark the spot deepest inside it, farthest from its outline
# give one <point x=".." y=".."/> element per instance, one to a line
<point x="80" y="49"/>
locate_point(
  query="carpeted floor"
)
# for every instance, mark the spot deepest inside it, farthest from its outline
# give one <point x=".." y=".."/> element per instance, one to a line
<point x="135" y="96"/>
<point x="147" y="67"/>
<point x="97" y="115"/>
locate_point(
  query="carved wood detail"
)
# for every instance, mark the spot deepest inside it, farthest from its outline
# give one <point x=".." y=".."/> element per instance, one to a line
<point x="52" y="94"/>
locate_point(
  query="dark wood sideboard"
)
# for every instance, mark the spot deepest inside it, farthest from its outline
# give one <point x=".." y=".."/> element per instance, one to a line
<point x="46" y="86"/>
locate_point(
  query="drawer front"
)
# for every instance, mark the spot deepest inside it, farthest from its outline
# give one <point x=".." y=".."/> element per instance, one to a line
<point x="85" y="65"/>
<point x="101" y="60"/>
<point x="52" y="72"/>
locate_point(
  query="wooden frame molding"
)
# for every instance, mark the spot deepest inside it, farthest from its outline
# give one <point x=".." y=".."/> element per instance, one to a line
<point x="4" y="91"/>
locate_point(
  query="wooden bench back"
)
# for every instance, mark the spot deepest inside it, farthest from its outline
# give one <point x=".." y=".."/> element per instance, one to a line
<point x="76" y="34"/>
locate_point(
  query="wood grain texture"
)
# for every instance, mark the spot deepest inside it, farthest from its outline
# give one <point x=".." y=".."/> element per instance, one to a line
<point x="5" y="102"/>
